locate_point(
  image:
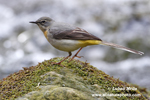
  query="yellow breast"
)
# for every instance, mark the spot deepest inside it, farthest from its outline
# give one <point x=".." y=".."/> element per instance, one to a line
<point x="45" y="34"/>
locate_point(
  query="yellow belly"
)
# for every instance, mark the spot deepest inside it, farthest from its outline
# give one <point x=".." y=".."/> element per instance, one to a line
<point x="84" y="43"/>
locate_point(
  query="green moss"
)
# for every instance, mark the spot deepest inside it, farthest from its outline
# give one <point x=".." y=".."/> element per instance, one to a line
<point x="76" y="80"/>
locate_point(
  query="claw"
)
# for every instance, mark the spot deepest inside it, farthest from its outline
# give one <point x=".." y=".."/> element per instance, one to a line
<point x="59" y="63"/>
<point x="79" y="56"/>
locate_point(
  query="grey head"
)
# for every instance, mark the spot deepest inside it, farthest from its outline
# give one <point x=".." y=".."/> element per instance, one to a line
<point x="43" y="23"/>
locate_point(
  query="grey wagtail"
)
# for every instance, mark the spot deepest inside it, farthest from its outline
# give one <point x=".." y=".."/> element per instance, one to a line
<point x="68" y="38"/>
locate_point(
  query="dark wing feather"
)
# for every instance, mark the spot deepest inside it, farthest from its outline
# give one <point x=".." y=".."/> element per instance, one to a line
<point x="76" y="34"/>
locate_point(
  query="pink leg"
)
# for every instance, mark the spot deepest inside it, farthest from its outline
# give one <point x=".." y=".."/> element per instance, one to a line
<point x="59" y="63"/>
<point x="76" y="54"/>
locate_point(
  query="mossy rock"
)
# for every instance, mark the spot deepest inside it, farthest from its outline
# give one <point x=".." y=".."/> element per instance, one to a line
<point x="75" y="81"/>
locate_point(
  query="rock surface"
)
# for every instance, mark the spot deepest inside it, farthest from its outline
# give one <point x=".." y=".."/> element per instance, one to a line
<point x="75" y="81"/>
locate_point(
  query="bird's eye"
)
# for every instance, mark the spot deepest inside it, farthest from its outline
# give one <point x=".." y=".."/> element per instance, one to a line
<point x="43" y="21"/>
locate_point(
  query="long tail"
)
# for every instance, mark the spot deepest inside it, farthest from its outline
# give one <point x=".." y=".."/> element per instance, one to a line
<point x="122" y="48"/>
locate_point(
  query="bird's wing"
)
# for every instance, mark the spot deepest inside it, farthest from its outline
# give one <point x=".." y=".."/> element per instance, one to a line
<point x="76" y="34"/>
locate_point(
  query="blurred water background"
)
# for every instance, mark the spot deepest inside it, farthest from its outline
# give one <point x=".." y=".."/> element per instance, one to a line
<point x="125" y="22"/>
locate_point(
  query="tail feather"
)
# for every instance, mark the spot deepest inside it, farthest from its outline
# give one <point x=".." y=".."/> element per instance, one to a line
<point x="122" y="47"/>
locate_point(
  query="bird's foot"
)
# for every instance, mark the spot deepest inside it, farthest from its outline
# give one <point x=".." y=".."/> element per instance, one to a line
<point x="59" y="63"/>
<point x="75" y="56"/>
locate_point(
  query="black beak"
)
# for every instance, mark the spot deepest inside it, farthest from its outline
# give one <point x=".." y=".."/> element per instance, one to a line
<point x="33" y="22"/>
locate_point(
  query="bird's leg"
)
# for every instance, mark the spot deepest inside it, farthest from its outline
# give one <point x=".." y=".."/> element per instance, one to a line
<point x="76" y="54"/>
<point x="59" y="63"/>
